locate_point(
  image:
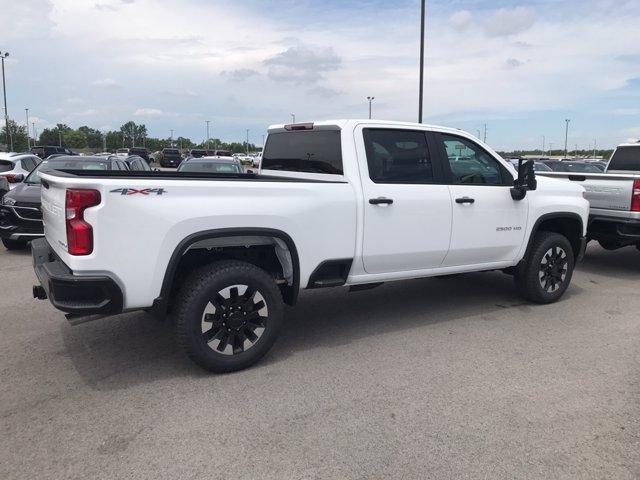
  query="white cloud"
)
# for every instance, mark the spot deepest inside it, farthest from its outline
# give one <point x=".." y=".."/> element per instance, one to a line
<point x="506" y="22"/>
<point x="460" y="20"/>
<point x="148" y="112"/>
<point x="105" y="82"/>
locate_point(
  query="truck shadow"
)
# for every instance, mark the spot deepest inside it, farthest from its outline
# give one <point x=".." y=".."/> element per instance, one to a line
<point x="134" y="348"/>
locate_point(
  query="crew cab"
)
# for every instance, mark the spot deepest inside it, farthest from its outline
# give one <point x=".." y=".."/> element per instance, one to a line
<point x="336" y="203"/>
<point x="614" y="196"/>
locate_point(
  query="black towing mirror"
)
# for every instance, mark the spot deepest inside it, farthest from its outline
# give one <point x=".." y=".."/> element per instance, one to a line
<point x="526" y="180"/>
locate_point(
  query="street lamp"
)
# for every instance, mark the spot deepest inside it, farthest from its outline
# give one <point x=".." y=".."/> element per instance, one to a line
<point x="422" y="11"/>
<point x="171" y="138"/>
<point x="370" y="100"/>
<point x="566" y="134"/>
<point x="28" y="137"/>
<point x="6" y="113"/>
<point x="208" y="142"/>
<point x="293" y="118"/>
<point x="247" y="141"/>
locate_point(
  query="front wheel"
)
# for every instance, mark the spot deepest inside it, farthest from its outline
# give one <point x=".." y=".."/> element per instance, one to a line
<point x="228" y="315"/>
<point x="546" y="273"/>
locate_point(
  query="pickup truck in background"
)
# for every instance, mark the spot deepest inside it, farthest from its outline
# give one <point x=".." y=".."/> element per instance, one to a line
<point x="614" y="197"/>
<point x="336" y="203"/>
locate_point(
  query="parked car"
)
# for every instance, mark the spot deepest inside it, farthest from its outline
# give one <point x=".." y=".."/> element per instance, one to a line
<point x="4" y="185"/>
<point x="140" y="152"/>
<point x="137" y="164"/>
<point x="15" y="168"/>
<point x="197" y="153"/>
<point x="44" y="151"/>
<point x="575" y="166"/>
<point x="537" y="166"/>
<point x="122" y="152"/>
<point x="20" y="214"/>
<point x="170" y="157"/>
<point x="211" y="165"/>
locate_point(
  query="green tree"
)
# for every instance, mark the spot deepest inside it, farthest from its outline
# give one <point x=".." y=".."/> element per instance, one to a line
<point x="94" y="138"/>
<point x="18" y="134"/>
<point x="75" y="139"/>
<point x="133" y="134"/>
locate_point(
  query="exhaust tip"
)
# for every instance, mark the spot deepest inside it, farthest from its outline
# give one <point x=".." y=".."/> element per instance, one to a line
<point x="39" y="292"/>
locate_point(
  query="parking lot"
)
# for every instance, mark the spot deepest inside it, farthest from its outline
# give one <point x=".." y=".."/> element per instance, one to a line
<point x="446" y="378"/>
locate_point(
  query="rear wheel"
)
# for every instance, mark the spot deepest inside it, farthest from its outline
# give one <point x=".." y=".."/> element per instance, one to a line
<point x="228" y="315"/>
<point x="14" y="244"/>
<point x="546" y="272"/>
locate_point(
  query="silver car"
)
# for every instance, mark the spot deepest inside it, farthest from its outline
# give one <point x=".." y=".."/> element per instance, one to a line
<point x="15" y="167"/>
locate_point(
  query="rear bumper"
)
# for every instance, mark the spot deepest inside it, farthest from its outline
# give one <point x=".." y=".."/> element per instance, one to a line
<point x="623" y="231"/>
<point x="82" y="295"/>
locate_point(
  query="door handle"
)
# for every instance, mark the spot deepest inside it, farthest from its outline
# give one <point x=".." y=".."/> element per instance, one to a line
<point x="465" y="200"/>
<point x="380" y="201"/>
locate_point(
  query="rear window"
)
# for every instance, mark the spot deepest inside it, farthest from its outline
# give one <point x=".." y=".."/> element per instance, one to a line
<point x="625" y="158"/>
<point x="6" y="166"/>
<point x="314" y="151"/>
<point x="171" y="151"/>
<point x="210" y="167"/>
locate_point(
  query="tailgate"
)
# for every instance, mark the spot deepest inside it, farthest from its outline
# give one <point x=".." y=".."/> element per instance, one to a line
<point x="603" y="190"/>
<point x="53" y="213"/>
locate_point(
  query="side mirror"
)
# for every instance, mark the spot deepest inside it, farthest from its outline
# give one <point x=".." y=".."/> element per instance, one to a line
<point x="526" y="180"/>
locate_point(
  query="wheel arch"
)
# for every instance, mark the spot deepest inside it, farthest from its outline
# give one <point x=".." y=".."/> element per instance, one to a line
<point x="284" y="251"/>
<point x="566" y="223"/>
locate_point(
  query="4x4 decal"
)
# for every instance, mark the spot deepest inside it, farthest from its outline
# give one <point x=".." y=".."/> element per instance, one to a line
<point x="141" y="191"/>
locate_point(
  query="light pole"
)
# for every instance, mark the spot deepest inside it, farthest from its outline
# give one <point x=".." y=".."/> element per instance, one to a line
<point x="28" y="137"/>
<point x="422" y="9"/>
<point x="293" y="118"/>
<point x="208" y="142"/>
<point x="370" y="100"/>
<point x="6" y="113"/>
<point x="247" y="141"/>
<point x="543" y="145"/>
<point x="35" y="135"/>
<point x="171" y="138"/>
<point x="566" y="134"/>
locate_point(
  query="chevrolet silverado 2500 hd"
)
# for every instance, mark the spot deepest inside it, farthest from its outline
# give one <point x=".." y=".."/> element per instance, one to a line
<point x="336" y="203"/>
<point x="614" y="197"/>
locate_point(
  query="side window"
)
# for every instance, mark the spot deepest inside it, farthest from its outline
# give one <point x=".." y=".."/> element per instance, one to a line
<point x="470" y="164"/>
<point x="397" y="156"/>
<point x="27" y="164"/>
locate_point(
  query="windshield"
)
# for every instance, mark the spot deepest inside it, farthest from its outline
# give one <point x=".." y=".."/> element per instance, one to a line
<point x="47" y="165"/>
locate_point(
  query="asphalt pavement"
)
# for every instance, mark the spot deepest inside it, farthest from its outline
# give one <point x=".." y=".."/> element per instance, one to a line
<point x="452" y="378"/>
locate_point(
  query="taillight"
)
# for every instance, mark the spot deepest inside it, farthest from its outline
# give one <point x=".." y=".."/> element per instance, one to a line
<point x="79" y="232"/>
<point x="11" y="178"/>
<point x="635" y="196"/>
<point x="299" y="126"/>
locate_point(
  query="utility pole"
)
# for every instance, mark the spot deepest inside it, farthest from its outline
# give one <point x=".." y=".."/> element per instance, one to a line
<point x="566" y="134"/>
<point x="247" y="141"/>
<point x="28" y="137"/>
<point x="542" y="145"/>
<point x="293" y="118"/>
<point x="422" y="9"/>
<point x="370" y="100"/>
<point x="35" y="135"/>
<point x="485" y="133"/>
<point x="208" y="141"/>
<point x="6" y="112"/>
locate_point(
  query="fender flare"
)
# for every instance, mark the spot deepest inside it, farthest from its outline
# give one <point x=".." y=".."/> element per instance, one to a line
<point x="161" y="303"/>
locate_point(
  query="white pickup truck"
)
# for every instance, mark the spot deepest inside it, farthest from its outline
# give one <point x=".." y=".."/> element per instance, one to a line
<point x="614" y="197"/>
<point x="336" y="203"/>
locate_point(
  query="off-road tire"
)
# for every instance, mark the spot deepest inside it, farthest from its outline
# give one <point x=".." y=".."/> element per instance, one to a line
<point x="245" y="322"/>
<point x="14" y="244"/>
<point x="546" y="273"/>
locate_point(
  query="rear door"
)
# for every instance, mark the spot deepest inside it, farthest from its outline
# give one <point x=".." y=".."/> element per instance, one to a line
<point x="488" y="225"/>
<point x="407" y="210"/>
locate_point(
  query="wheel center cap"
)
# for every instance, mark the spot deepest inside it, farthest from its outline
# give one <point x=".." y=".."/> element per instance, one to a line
<point x="236" y="320"/>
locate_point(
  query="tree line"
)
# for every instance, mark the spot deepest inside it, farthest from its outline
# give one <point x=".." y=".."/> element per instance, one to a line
<point x="91" y="139"/>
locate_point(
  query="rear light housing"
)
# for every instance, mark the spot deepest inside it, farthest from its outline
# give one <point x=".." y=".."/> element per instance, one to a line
<point x="299" y="126"/>
<point x="11" y="178"/>
<point x="79" y="232"/>
<point x="635" y="196"/>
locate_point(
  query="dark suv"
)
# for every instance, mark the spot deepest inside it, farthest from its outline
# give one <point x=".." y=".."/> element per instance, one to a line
<point x="45" y="150"/>
<point x="141" y="152"/>
<point x="170" y="157"/>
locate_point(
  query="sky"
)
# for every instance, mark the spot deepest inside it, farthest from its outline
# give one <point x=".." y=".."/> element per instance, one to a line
<point x="508" y="72"/>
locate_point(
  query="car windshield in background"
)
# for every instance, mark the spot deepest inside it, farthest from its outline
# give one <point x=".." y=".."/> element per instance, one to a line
<point x="209" y="167"/>
<point x="625" y="158"/>
<point x="48" y="165"/>
<point x="313" y="151"/>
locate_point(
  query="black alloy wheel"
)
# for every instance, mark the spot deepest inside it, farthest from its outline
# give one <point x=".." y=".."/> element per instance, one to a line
<point x="228" y="315"/>
<point x="545" y="274"/>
